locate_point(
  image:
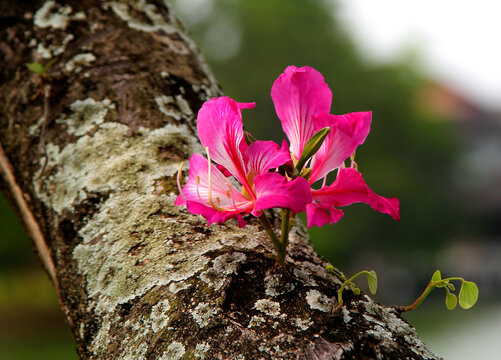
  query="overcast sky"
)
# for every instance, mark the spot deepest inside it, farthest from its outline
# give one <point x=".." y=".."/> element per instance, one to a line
<point x="459" y="41"/>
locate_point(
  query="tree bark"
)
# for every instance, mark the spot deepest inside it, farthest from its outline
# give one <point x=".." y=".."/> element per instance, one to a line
<point x="89" y="157"/>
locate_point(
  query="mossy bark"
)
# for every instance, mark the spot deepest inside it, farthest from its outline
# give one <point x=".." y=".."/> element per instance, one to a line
<point x="94" y="148"/>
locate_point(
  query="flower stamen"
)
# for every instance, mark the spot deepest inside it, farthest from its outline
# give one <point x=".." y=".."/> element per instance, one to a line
<point x="179" y="172"/>
<point x="324" y="181"/>
<point x="197" y="180"/>
<point x="210" y="184"/>
<point x="230" y="193"/>
<point x="353" y="163"/>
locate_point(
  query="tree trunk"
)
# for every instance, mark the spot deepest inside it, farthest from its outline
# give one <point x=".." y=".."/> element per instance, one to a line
<point x="89" y="155"/>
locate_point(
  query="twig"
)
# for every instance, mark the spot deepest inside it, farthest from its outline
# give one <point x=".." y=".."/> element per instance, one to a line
<point x="27" y="217"/>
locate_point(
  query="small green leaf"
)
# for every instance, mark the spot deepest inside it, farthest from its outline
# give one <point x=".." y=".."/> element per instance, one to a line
<point x="468" y="295"/>
<point x="249" y="139"/>
<point x="451" y="287"/>
<point x="49" y="65"/>
<point x="37" y="68"/>
<point x="436" y="276"/>
<point x="372" y="281"/>
<point x="312" y="146"/>
<point x="451" y="301"/>
<point x="335" y="272"/>
<point x="356" y="291"/>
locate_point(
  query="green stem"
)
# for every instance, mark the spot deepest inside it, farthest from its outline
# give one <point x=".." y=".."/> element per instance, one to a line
<point x="284" y="238"/>
<point x="420" y="299"/>
<point x="269" y="229"/>
<point x="336" y="272"/>
<point x="346" y="283"/>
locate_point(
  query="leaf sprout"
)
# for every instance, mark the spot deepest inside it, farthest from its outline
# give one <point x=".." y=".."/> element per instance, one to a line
<point x="348" y="283"/>
<point x="40" y="69"/>
<point x="468" y="293"/>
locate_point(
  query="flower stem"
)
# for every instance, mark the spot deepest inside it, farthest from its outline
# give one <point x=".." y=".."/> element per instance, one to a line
<point x="269" y="229"/>
<point x="284" y="239"/>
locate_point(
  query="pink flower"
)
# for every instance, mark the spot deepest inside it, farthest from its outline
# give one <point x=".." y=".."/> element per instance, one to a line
<point x="211" y="193"/>
<point x="302" y="101"/>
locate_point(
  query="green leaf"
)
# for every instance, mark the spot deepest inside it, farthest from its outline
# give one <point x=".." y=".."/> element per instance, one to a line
<point x="372" y="281"/>
<point x="49" y="65"/>
<point x="468" y="295"/>
<point x="451" y="287"/>
<point x="436" y="276"/>
<point x="442" y="283"/>
<point x="312" y="146"/>
<point x="37" y="68"/>
<point x="249" y="139"/>
<point x="329" y="268"/>
<point x="451" y="301"/>
<point x="356" y="291"/>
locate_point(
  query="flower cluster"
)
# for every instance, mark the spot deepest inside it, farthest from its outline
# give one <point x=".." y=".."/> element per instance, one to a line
<point x="241" y="177"/>
<point x="209" y="190"/>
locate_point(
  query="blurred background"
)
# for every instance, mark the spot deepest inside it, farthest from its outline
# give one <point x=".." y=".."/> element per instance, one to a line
<point x="430" y="73"/>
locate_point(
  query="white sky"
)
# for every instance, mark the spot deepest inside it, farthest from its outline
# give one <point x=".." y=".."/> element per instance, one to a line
<point x="459" y="41"/>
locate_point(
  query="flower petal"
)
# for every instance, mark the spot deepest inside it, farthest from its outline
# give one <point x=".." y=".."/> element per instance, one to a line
<point x="223" y="194"/>
<point x="265" y="155"/>
<point x="219" y="126"/>
<point x="273" y="190"/>
<point x="350" y="188"/>
<point x="347" y="132"/>
<point x="250" y="105"/>
<point x="318" y="214"/>
<point x="212" y="215"/>
<point x="298" y="94"/>
<point x="223" y="170"/>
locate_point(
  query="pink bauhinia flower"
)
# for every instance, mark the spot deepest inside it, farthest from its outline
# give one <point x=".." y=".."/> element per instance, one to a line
<point x="211" y="193"/>
<point x="302" y="101"/>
